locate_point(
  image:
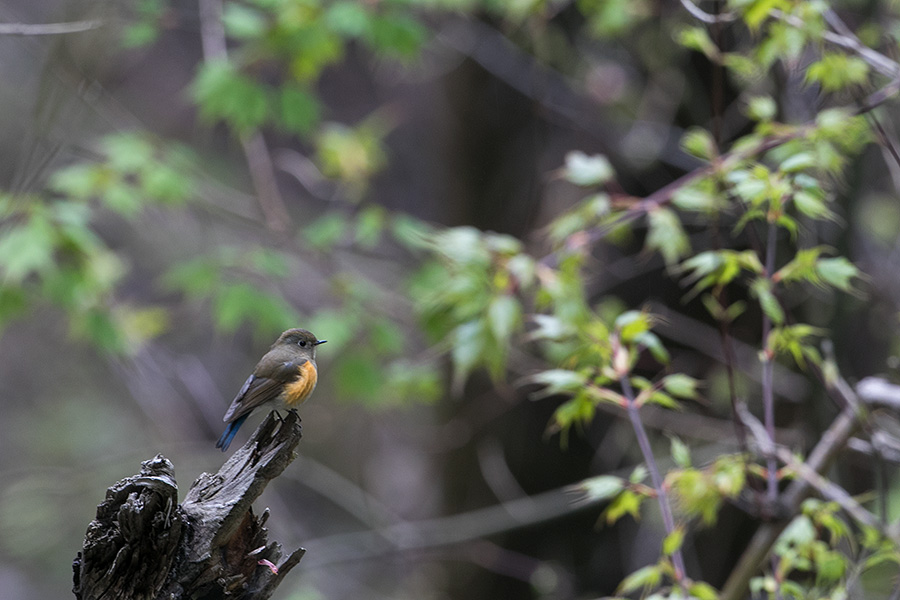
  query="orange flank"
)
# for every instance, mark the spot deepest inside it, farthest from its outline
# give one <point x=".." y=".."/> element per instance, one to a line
<point x="296" y="392"/>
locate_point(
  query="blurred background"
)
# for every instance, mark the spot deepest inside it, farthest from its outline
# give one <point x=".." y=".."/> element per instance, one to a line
<point x="181" y="181"/>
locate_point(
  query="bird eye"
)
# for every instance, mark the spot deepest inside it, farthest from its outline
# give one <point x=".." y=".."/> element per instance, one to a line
<point x="302" y="343"/>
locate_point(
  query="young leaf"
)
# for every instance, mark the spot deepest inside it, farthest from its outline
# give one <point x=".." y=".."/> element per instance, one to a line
<point x="558" y="381"/>
<point x="703" y="591"/>
<point x="666" y="235"/>
<point x="298" y="111"/>
<point x="672" y="542"/>
<point x="680" y="385"/>
<point x="835" y="71"/>
<point x="837" y="272"/>
<point x="602" y="487"/>
<point x="762" y="108"/>
<point x="699" y="142"/>
<point x="504" y="317"/>
<point x="681" y="454"/>
<point x="762" y="289"/>
<point x="585" y="170"/>
<point x="797" y="162"/>
<point x="644" y="578"/>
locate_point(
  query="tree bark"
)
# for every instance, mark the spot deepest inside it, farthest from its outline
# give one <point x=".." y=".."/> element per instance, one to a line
<point x="143" y="545"/>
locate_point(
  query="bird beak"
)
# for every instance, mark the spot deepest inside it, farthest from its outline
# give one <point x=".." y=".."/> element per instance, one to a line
<point x="320" y="342"/>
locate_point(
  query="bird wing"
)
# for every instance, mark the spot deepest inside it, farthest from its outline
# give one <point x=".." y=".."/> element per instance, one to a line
<point x="262" y="387"/>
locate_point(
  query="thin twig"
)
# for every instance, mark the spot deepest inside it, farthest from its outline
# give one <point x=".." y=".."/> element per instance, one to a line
<point x="704" y="16"/>
<point x="446" y="531"/>
<point x="846" y="424"/>
<point x="829" y="490"/>
<point x="876" y="60"/>
<point x="768" y="367"/>
<point x="259" y="162"/>
<point x="48" y="28"/>
<point x="665" y="508"/>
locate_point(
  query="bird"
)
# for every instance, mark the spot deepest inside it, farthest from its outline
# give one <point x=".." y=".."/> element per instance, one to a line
<point x="282" y="379"/>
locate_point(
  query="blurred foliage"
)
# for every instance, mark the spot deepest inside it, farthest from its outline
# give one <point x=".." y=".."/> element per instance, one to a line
<point x="486" y="302"/>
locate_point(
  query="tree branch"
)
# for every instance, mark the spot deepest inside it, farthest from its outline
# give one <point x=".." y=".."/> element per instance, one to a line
<point x="48" y="28"/>
<point x="833" y="440"/>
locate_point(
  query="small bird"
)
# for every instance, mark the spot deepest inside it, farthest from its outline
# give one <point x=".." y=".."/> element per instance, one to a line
<point x="283" y="378"/>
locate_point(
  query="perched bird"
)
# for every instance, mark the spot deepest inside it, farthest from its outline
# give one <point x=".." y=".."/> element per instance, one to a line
<point x="283" y="378"/>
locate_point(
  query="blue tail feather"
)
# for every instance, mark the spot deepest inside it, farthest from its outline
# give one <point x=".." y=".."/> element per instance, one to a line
<point x="228" y="435"/>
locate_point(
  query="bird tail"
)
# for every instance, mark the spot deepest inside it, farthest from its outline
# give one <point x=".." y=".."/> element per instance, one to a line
<point x="229" y="432"/>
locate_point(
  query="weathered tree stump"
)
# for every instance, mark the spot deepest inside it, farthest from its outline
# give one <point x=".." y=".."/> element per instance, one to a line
<point x="143" y="545"/>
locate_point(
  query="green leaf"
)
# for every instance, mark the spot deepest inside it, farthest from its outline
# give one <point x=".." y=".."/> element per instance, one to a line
<point x="797" y="162"/>
<point x="699" y="142"/>
<point x="348" y="17"/>
<point x="673" y="541"/>
<point x="639" y="474"/>
<point x="632" y="323"/>
<point x="326" y="231"/>
<point x="26" y="249"/>
<point x="579" y="410"/>
<point x="756" y="11"/>
<point x="550" y="327"/>
<point x="836" y="71"/>
<point x="651" y="342"/>
<point x="680" y="385"/>
<point x="369" y="225"/>
<point x="313" y="48"/>
<point x="396" y="35"/>
<point x="298" y="110"/>
<point x="796" y="341"/>
<point x="410" y="232"/>
<point x="837" y="272"/>
<point x="243" y="22"/>
<point x="222" y="93"/>
<point x="761" y="288"/>
<point x="696" y="493"/>
<point x="585" y="170"/>
<point x="697" y="38"/>
<point x="681" y="454"/>
<point x="762" y="108"/>
<point x="468" y="347"/>
<point x="504" y="317"/>
<point x="128" y="152"/>
<point x="695" y="199"/>
<point x="702" y="591"/>
<point x="99" y="327"/>
<point x="881" y="557"/>
<point x="644" y="578"/>
<point x="812" y="205"/>
<point x="558" y="381"/>
<point x="662" y="399"/>
<point x="800" y="532"/>
<point x="139" y="34"/>
<point x="602" y="487"/>
<point x="666" y="235"/>
<point x="79" y="182"/>
<point x="164" y="184"/>
<point x="802" y="267"/>
<point x="13" y="303"/>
